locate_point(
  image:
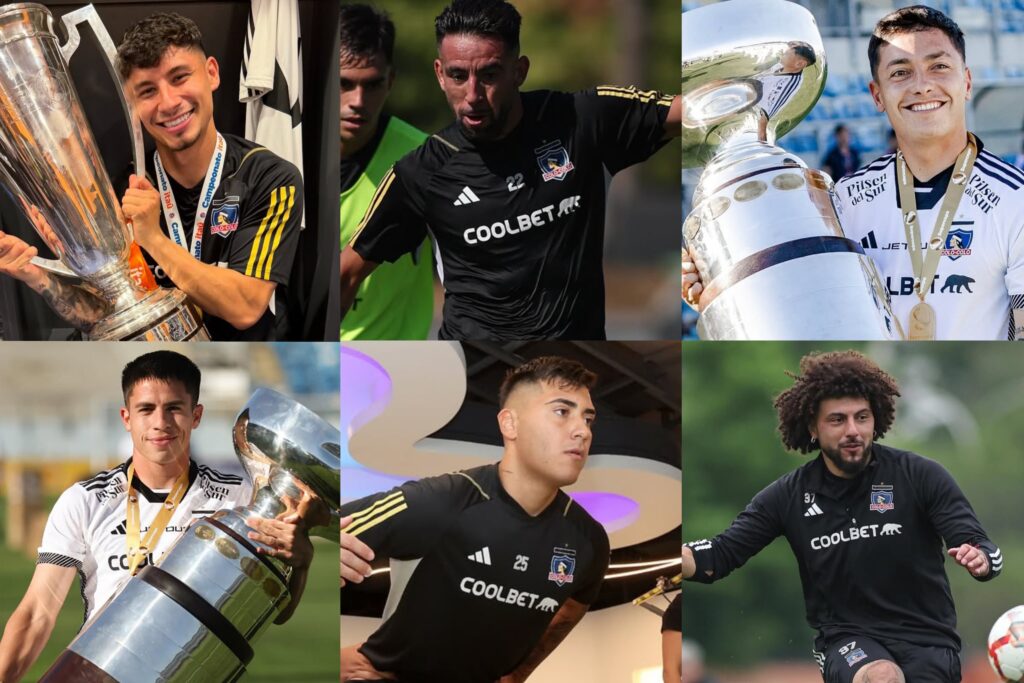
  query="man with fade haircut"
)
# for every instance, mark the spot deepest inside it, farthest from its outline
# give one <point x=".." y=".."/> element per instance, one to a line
<point x="88" y="532"/>
<point x="513" y="192"/>
<point x="220" y="219"/>
<point x="942" y="217"/>
<point x="499" y="547"/>
<point x="858" y="506"/>
<point x="396" y="302"/>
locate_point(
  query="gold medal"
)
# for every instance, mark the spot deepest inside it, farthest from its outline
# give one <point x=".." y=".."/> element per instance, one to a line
<point x="922" y="323"/>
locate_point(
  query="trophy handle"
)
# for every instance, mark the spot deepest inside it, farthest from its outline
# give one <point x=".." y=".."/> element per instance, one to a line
<point x="89" y="15"/>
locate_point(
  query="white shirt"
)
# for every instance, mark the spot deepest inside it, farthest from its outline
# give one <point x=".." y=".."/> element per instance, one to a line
<point x="86" y="528"/>
<point x="980" y="276"/>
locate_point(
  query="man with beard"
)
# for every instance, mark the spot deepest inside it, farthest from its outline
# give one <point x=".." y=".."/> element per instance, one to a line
<point x="513" y="192"/>
<point x="857" y="507"/>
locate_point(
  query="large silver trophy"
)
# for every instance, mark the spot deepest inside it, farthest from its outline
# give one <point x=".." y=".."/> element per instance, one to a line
<point x="767" y="243"/>
<point x="49" y="160"/>
<point x="195" y="615"/>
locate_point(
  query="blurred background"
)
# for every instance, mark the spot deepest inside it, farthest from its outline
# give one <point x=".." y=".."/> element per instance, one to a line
<point x="961" y="405"/>
<point x="576" y="45"/>
<point x="994" y="36"/>
<point x="60" y="423"/>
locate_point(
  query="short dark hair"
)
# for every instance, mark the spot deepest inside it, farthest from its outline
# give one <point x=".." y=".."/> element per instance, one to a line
<point x="146" y="41"/>
<point x="481" y="18"/>
<point x="840" y="127"/>
<point x="841" y="374"/>
<point x="804" y="50"/>
<point x="912" y="20"/>
<point x="365" y="32"/>
<point x="563" y="372"/>
<point x="166" y="366"/>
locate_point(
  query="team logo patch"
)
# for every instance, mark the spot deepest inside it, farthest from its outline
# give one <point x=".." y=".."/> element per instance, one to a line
<point x="881" y="499"/>
<point x="224" y="217"/>
<point x="958" y="243"/>
<point x="855" y="656"/>
<point x="563" y="562"/>
<point x="553" y="161"/>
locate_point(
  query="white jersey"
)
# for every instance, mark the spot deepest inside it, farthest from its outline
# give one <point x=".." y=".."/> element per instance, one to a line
<point x="980" y="276"/>
<point x="776" y="89"/>
<point x="87" y="526"/>
<point x="271" y="81"/>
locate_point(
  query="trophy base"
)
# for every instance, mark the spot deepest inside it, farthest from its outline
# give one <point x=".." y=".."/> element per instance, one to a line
<point x="160" y="315"/>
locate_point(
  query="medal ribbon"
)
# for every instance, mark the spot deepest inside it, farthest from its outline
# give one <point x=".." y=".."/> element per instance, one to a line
<point x="170" y="207"/>
<point x="137" y="550"/>
<point x="926" y="265"/>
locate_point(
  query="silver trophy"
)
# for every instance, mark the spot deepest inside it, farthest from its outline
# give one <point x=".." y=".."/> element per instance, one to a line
<point x="195" y="615"/>
<point x="764" y="232"/>
<point x="49" y="160"/>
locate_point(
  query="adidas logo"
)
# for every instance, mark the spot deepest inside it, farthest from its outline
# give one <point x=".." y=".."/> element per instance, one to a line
<point x="482" y="556"/>
<point x="121" y="529"/>
<point x="813" y="511"/>
<point x="467" y="196"/>
<point x="869" y="241"/>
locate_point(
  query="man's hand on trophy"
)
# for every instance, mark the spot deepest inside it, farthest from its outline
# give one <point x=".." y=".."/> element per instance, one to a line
<point x="309" y="508"/>
<point x="43" y="228"/>
<point x="355" y="556"/>
<point x="286" y="539"/>
<point x="691" y="282"/>
<point x="16" y="258"/>
<point x="141" y="206"/>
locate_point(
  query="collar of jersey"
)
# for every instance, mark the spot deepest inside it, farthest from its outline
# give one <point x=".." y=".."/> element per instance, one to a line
<point x="936" y="187"/>
<point x="557" y="504"/>
<point x="820" y="480"/>
<point x="149" y="494"/>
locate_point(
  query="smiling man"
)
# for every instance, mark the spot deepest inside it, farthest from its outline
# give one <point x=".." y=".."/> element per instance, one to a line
<point x="220" y="219"/>
<point x="498" y="559"/>
<point x="106" y="528"/>
<point x="857" y="507"/>
<point x="942" y="217"/>
<point x="513" y="192"/>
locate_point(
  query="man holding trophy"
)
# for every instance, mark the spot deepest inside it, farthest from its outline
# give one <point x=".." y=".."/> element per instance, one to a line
<point x="109" y="527"/>
<point x="218" y="217"/>
<point x="942" y="218"/>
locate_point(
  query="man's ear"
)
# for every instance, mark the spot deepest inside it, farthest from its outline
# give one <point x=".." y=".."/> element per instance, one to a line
<point x="508" y="424"/>
<point x="125" y="416"/>
<point x="197" y="415"/>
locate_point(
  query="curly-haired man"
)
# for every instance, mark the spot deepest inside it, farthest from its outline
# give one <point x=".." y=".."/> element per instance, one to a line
<point x="857" y="507"/>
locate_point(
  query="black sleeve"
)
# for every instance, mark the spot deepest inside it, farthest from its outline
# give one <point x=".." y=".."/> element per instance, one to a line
<point x="754" y="528"/>
<point x="405" y="522"/>
<point x="672" y="620"/>
<point x="590" y="588"/>
<point x="392" y="226"/>
<point x="264" y="244"/>
<point x="627" y="125"/>
<point x="951" y="514"/>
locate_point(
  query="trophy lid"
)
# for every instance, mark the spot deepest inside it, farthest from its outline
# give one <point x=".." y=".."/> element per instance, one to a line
<point x="751" y="70"/>
<point x="274" y="432"/>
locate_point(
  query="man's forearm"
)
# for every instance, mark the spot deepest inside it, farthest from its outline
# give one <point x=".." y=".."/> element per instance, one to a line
<point x="74" y="303"/>
<point x="689" y="566"/>
<point x="565" y="620"/>
<point x="239" y="299"/>
<point x="296" y="586"/>
<point x="24" y="638"/>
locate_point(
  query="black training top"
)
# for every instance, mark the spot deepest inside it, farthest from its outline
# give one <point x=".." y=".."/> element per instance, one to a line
<point x="672" y="619"/>
<point x="869" y="549"/>
<point x="252" y="227"/>
<point x="475" y="580"/>
<point x="518" y="223"/>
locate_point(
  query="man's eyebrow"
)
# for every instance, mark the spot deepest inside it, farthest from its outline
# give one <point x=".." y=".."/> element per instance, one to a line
<point x="572" y="404"/>
<point x="928" y="57"/>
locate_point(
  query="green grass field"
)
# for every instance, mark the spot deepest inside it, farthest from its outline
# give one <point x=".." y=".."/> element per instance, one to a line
<point x="305" y="649"/>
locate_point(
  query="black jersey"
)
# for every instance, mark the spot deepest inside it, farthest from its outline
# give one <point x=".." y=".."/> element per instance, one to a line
<point x="252" y="228"/>
<point x="475" y="580"/>
<point x="869" y="549"/>
<point x="518" y="223"/>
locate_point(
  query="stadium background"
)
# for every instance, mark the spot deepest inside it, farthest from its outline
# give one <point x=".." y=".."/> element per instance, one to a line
<point x="575" y="45"/>
<point x="961" y="406"/>
<point x="994" y="36"/>
<point x="59" y="423"/>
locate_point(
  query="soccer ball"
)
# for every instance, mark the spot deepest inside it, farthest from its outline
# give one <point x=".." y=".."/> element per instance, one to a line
<point x="1006" y="645"/>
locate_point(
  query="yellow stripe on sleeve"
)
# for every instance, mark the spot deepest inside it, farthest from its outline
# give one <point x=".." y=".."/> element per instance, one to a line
<point x="370" y="523"/>
<point x="378" y="512"/>
<point x="280" y="229"/>
<point x="269" y="234"/>
<point x="259" y="234"/>
<point x="385" y="183"/>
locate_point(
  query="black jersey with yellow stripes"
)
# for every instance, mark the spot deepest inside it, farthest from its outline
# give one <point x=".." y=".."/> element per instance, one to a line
<point x="252" y="228"/>
<point x="518" y="223"/>
<point x="475" y="580"/>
